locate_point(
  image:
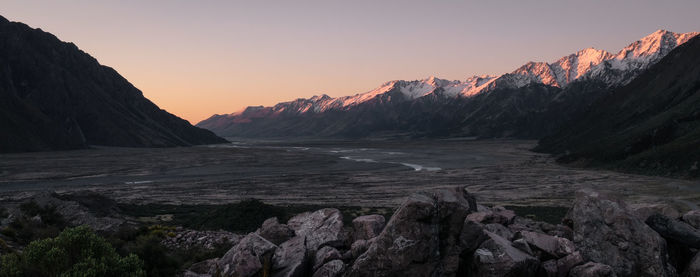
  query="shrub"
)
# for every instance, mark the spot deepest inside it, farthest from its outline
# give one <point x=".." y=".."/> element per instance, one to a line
<point x="74" y="252"/>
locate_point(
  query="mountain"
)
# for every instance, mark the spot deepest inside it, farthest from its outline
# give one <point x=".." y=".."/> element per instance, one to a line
<point x="524" y="103"/>
<point x="651" y="125"/>
<point x="55" y="96"/>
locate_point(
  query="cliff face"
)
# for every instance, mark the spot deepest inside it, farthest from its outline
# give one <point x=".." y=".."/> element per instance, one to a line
<point x="55" y="96"/>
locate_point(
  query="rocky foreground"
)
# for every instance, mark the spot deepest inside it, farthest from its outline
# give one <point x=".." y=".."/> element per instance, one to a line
<point x="445" y="233"/>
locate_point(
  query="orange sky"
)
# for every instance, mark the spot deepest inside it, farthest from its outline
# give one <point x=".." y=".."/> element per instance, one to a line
<point x="198" y="58"/>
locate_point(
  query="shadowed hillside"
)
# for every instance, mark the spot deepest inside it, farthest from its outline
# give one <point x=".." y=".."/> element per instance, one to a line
<point x="55" y="96"/>
<point x="650" y="126"/>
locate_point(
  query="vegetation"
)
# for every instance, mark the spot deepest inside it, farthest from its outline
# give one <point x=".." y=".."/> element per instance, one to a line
<point x="39" y="229"/>
<point x="35" y="222"/>
<point x="145" y="242"/>
<point x="74" y="252"/>
<point x="245" y="216"/>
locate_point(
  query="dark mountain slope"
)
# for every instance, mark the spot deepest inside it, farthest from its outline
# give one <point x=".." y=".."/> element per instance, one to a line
<point x="651" y="125"/>
<point x="54" y="96"/>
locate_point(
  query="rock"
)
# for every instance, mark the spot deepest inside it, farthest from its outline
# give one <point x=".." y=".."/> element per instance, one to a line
<point x="679" y="254"/>
<point x="646" y="210"/>
<point x="358" y="248"/>
<point x="324" y="255"/>
<point x="322" y="227"/>
<point x="186" y="239"/>
<point x="36" y="219"/>
<point x="693" y="268"/>
<point x="247" y="257"/>
<point x="498" y="215"/>
<point x="548" y="269"/>
<point x="496" y="257"/>
<point x="333" y="268"/>
<point x="202" y="268"/>
<point x="472" y="236"/>
<point x="526" y="224"/>
<point x="422" y="238"/>
<point x="500" y="230"/>
<point x="368" y="226"/>
<point x="553" y="246"/>
<point x="565" y="264"/>
<point x="275" y="232"/>
<point x="482" y="208"/>
<point x="692" y="218"/>
<point x="522" y="245"/>
<point x="561" y="231"/>
<point x="504" y="213"/>
<point x="290" y="258"/>
<point x="674" y="230"/>
<point x="606" y="231"/>
<point x="592" y="269"/>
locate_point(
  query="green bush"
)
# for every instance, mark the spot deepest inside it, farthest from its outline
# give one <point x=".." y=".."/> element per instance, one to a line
<point x="26" y="228"/>
<point x="74" y="252"/>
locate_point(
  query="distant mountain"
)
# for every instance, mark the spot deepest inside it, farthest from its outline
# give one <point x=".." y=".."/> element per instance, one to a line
<point x="55" y="96"/>
<point x="524" y="103"/>
<point x="651" y="125"/>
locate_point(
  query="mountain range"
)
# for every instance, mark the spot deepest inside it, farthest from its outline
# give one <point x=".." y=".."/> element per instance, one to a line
<point x="54" y="96"/>
<point x="533" y="101"/>
<point x="651" y="125"/>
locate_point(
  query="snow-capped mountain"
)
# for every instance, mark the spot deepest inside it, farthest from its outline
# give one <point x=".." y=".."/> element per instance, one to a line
<point x="587" y="65"/>
<point x="612" y="69"/>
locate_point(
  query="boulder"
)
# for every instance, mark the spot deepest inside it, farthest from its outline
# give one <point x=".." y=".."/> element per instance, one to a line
<point x="553" y="246"/>
<point x="247" y="257"/>
<point x="202" y="268"/>
<point x="324" y="255"/>
<point x="472" y="236"/>
<point x="548" y="269"/>
<point x="368" y="226"/>
<point x="500" y="230"/>
<point x="358" y="248"/>
<point x="565" y="264"/>
<point x="498" y="215"/>
<point x="692" y="218"/>
<point x="560" y="231"/>
<point x="606" y="231"/>
<point x="643" y="211"/>
<point x="422" y="238"/>
<point x="497" y="257"/>
<point x="290" y="258"/>
<point x="322" y="227"/>
<point x="522" y="245"/>
<point x="674" y="230"/>
<point x="187" y="239"/>
<point x="334" y="268"/>
<point x="275" y="232"/>
<point x="504" y="213"/>
<point x="693" y="268"/>
<point x="592" y="269"/>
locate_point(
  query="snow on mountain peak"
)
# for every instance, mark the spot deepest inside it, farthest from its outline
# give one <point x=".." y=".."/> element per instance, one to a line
<point x="592" y="63"/>
<point x="588" y="63"/>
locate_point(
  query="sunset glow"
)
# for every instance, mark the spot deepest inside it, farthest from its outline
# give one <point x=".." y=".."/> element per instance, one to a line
<point x="196" y="58"/>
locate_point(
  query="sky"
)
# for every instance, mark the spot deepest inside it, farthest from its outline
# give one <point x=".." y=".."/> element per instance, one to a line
<point x="199" y="58"/>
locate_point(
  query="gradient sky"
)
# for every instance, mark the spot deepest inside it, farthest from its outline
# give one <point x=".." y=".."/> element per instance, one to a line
<point x="198" y="58"/>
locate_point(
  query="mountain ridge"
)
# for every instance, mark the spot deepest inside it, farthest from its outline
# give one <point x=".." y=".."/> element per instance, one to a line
<point x="55" y="96"/>
<point x="651" y="125"/>
<point x="588" y="64"/>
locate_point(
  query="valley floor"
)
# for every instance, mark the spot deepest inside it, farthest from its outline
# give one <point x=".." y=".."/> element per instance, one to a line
<point x="331" y="173"/>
